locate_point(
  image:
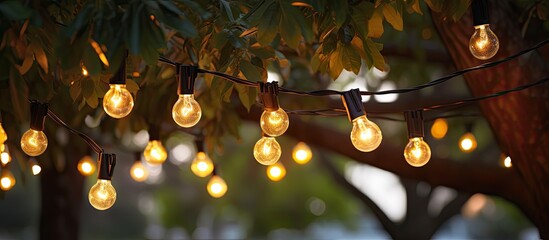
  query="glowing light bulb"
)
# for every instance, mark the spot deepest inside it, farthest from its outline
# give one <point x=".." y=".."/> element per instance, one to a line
<point x="34" y="143"/>
<point x="302" y="153"/>
<point x="102" y="195"/>
<point x="507" y="162"/>
<point x="5" y="158"/>
<point x="217" y="187"/>
<point x="467" y="142"/>
<point x="86" y="166"/>
<point x="417" y="152"/>
<point x="276" y="172"/>
<point x="3" y="135"/>
<point x="7" y="181"/>
<point x="118" y="101"/>
<point x="439" y="128"/>
<point x="186" y="111"/>
<point x="484" y="44"/>
<point x="366" y="135"/>
<point x="202" y="165"/>
<point x="84" y="71"/>
<point x="155" y="153"/>
<point x="138" y="172"/>
<point x="274" y="123"/>
<point x="267" y="151"/>
<point x="35" y="168"/>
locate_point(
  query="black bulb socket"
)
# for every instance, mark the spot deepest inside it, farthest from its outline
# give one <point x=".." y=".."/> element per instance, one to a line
<point x="414" y="122"/>
<point x="154" y="133"/>
<point x="38" y="112"/>
<point x="199" y="145"/>
<point x="106" y="166"/>
<point x="353" y="103"/>
<point x="480" y="12"/>
<point x="268" y="93"/>
<point x="119" y="77"/>
<point x="186" y="76"/>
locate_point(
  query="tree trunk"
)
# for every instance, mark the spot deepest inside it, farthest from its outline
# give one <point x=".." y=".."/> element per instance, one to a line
<point x="520" y="121"/>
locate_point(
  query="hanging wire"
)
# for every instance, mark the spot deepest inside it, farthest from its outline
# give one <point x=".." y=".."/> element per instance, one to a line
<point x="96" y="148"/>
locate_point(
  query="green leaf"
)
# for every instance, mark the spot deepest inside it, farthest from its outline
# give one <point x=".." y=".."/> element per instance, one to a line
<point x="393" y="16"/>
<point x="18" y="94"/>
<point x="88" y="88"/>
<point x="335" y="65"/>
<point x="268" y="25"/>
<point x="247" y="95"/>
<point x="14" y="10"/>
<point x="75" y="90"/>
<point x="132" y="86"/>
<point x="349" y="57"/>
<point x="250" y="71"/>
<point x="375" y="25"/>
<point x="372" y="48"/>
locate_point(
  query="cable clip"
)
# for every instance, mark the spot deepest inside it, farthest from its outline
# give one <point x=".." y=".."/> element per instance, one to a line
<point x="106" y="166"/>
<point x="353" y="103"/>
<point x="414" y="121"/>
<point x="480" y="12"/>
<point x="186" y="76"/>
<point x="268" y="93"/>
<point x="38" y="113"/>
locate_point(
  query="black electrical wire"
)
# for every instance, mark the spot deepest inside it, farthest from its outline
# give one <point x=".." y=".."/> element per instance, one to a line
<point x="96" y="148"/>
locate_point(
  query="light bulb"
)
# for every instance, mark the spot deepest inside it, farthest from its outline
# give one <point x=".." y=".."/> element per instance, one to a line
<point x="467" y="142"/>
<point x="439" y="128"/>
<point x="186" y="112"/>
<point x="5" y="158"/>
<point x="417" y="152"/>
<point x="3" y="135"/>
<point x="274" y="123"/>
<point x="267" y="151"/>
<point x="102" y="195"/>
<point x="484" y="44"/>
<point x="34" y="143"/>
<point x="217" y="187"/>
<point x="7" y="181"/>
<point x="366" y="135"/>
<point x="202" y="165"/>
<point x="276" y="172"/>
<point x="302" y="153"/>
<point x="86" y="166"/>
<point x="35" y="168"/>
<point x="138" y="172"/>
<point x="155" y="153"/>
<point x="118" y="101"/>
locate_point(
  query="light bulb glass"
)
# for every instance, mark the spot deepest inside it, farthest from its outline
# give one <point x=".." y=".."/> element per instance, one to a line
<point x="5" y="158"/>
<point x="302" y="153"/>
<point x="7" y="181"/>
<point x="276" y="172"/>
<point x="467" y="142"/>
<point x="3" y="135"/>
<point x="138" y="172"/>
<point x="118" y="101"/>
<point x="274" y="123"/>
<point x="202" y="165"/>
<point x="102" y="195"/>
<point x="267" y="151"/>
<point x="155" y="153"/>
<point x="417" y="152"/>
<point x="484" y="43"/>
<point x="217" y="187"/>
<point x="507" y="162"/>
<point x="186" y="111"/>
<point x="366" y="135"/>
<point x="34" y="143"/>
<point x="439" y="128"/>
<point x="86" y="166"/>
<point x="35" y="168"/>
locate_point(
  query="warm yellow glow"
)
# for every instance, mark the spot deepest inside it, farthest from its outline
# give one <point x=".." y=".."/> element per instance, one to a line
<point x="100" y="52"/>
<point x="507" y="162"/>
<point x="155" y="153"/>
<point x="5" y="158"/>
<point x="118" y="101"/>
<point x="267" y="151"/>
<point x="474" y="205"/>
<point x="439" y="128"/>
<point x="138" y="172"/>
<point x="36" y="169"/>
<point x="276" y="172"/>
<point x="102" y="195"/>
<point x="34" y="143"/>
<point x="202" y="165"/>
<point x="484" y="44"/>
<point x="302" y="153"/>
<point x="186" y="112"/>
<point x="417" y="152"/>
<point x="3" y="135"/>
<point x="274" y="123"/>
<point x="366" y="135"/>
<point x="216" y="186"/>
<point x="84" y="71"/>
<point x="86" y="166"/>
<point x="7" y="181"/>
<point x="467" y="142"/>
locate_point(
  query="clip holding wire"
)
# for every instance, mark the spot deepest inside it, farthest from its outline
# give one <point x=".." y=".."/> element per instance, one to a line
<point x="38" y="113"/>
<point x="268" y="93"/>
<point x="186" y="76"/>
<point x="414" y="122"/>
<point x="106" y="166"/>
<point x="353" y="103"/>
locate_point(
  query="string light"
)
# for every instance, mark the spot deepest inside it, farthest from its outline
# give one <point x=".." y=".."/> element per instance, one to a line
<point x="201" y="165"/>
<point x="102" y="195"/>
<point x="276" y="172"/>
<point x="274" y="120"/>
<point x="186" y="112"/>
<point x="366" y="135"/>
<point x="138" y="172"/>
<point x="7" y="181"/>
<point x="86" y="166"/>
<point x="5" y="157"/>
<point x="507" y="162"/>
<point x="267" y="151"/>
<point x="155" y="153"/>
<point x="468" y="142"/>
<point x="3" y="135"/>
<point x="417" y="152"/>
<point x="439" y="128"/>
<point x="217" y="187"/>
<point x="118" y="101"/>
<point x="35" y="168"/>
<point x="484" y="44"/>
<point x="34" y="142"/>
<point x="302" y="153"/>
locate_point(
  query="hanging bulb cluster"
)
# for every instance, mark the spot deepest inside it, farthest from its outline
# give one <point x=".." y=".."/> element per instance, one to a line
<point x="417" y="152"/>
<point x="217" y="187"/>
<point x="102" y="194"/>
<point x="138" y="171"/>
<point x="186" y="112"/>
<point x="34" y="142"/>
<point x="86" y="166"/>
<point x="118" y="101"/>
<point x="366" y="135"/>
<point x="484" y="43"/>
<point x="155" y="153"/>
<point x="274" y="122"/>
<point x="302" y="153"/>
<point x="202" y="165"/>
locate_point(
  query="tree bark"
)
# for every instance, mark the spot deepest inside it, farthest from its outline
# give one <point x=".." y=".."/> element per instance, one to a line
<point x="520" y="121"/>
